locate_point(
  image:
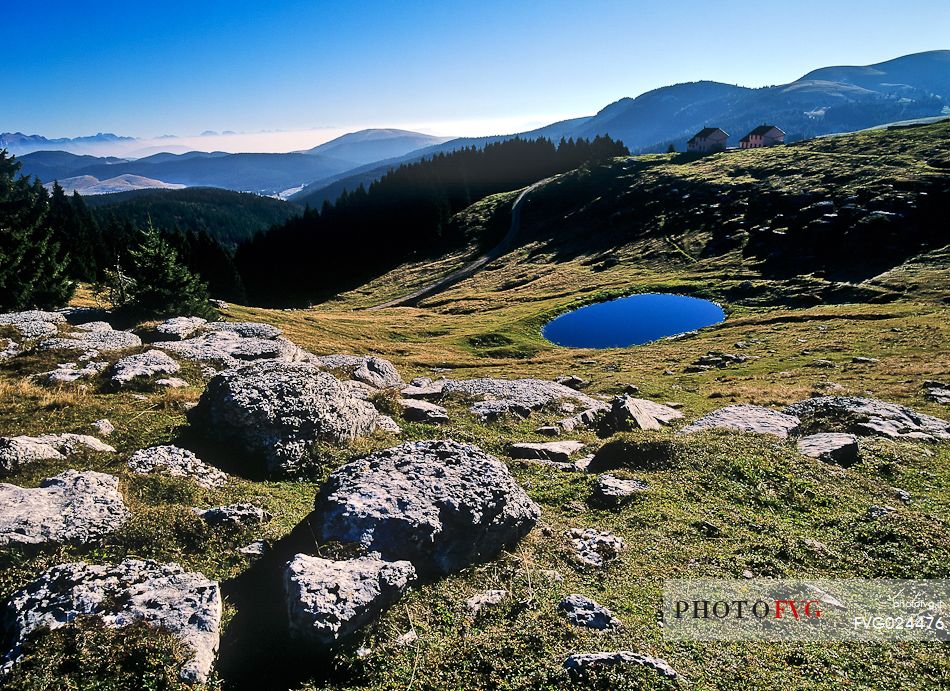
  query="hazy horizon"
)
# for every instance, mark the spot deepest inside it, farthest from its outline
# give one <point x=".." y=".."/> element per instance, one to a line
<point x="291" y="76"/>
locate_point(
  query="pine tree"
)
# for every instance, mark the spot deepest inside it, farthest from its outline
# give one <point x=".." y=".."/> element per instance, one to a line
<point x="163" y="286"/>
<point x="32" y="265"/>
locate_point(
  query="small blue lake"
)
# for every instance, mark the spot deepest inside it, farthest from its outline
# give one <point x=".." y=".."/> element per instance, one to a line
<point x="632" y="320"/>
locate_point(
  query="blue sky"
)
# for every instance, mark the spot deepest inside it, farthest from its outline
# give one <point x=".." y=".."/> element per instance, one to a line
<point x="149" y="68"/>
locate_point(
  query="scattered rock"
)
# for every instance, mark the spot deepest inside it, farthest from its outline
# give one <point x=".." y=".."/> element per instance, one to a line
<point x="868" y="416"/>
<point x="611" y="491"/>
<point x="254" y="549"/>
<point x="328" y="600"/>
<point x="631" y="390"/>
<point x="826" y="364"/>
<point x="69" y="372"/>
<point x="71" y="507"/>
<point x="628" y="413"/>
<point x="595" y="547"/>
<point x="937" y="392"/>
<point x="582" y="663"/>
<point x="429" y="389"/>
<point x="423" y="411"/>
<point x="177" y="462"/>
<point x="94" y="326"/>
<point x="141" y="366"/>
<point x="234" y="515"/>
<point x="219" y="304"/>
<point x="715" y="359"/>
<point x="178" y="328"/>
<point x="229" y="346"/>
<point x="384" y="423"/>
<point x="93" y="342"/>
<point x="875" y="512"/>
<point x="832" y="447"/>
<point x="748" y="418"/>
<point x="165" y="596"/>
<point x="103" y="427"/>
<point x="281" y="411"/>
<point x="499" y="397"/>
<point x="373" y="371"/>
<point x="557" y="451"/>
<point x="859" y="360"/>
<point x="20" y="451"/>
<point x="488" y="598"/>
<point x="902" y="494"/>
<point x="588" y="419"/>
<point x="582" y="611"/>
<point x="246" y="329"/>
<point x="407" y="638"/>
<point x="549" y="430"/>
<point x="439" y="504"/>
<point x="573" y="382"/>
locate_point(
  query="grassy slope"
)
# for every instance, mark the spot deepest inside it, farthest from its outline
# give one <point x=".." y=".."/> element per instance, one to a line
<point x="770" y="503"/>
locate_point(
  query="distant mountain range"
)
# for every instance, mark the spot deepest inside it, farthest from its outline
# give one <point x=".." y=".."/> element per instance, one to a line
<point x="18" y="143"/>
<point x="827" y="100"/>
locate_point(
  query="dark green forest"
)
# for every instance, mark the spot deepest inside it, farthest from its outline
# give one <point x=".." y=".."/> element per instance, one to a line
<point x="404" y="215"/>
<point x="228" y="217"/>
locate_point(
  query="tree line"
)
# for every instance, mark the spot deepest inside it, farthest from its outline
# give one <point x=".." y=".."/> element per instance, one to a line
<point x="49" y="241"/>
<point x="404" y="215"/>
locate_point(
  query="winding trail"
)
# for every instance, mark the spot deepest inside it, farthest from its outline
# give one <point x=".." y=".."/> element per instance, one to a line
<point x="473" y="266"/>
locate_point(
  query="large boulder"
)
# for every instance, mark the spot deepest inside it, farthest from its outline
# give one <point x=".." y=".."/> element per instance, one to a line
<point x="68" y="372"/>
<point x="747" y="418"/>
<point x="499" y="397"/>
<point x="439" y="504"/>
<point x="141" y="367"/>
<point x="868" y="416"/>
<point x="71" y="507"/>
<point x="165" y="596"/>
<point x="176" y="462"/>
<point x="328" y="600"/>
<point x="280" y="411"/>
<point x="230" y="349"/>
<point x="627" y="413"/>
<point x="247" y="329"/>
<point x="23" y="450"/>
<point x="370" y="370"/>
<point x="833" y="447"/>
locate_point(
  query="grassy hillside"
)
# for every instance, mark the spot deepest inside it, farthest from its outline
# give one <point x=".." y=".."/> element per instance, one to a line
<point x="229" y="217"/>
<point x="651" y="224"/>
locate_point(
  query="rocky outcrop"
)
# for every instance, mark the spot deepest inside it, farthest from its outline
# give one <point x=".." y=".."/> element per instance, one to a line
<point x="178" y="328"/>
<point x="280" y="411"/>
<point x="557" y="451"/>
<point x="581" y="664"/>
<point x="93" y="343"/>
<point x="141" y="367"/>
<point x="832" y="447"/>
<point x="748" y="418"/>
<point x="936" y="391"/>
<point x="499" y="397"/>
<point x="165" y="596"/>
<point x="373" y="371"/>
<point x="868" y="416"/>
<point x="329" y="600"/>
<point x="176" y="462"/>
<point x="71" y="507"/>
<point x="629" y="413"/>
<point x="423" y="411"/>
<point x="441" y="505"/>
<point x="595" y="547"/>
<point x="582" y="611"/>
<point x="231" y="344"/>
<point x="715" y="359"/>
<point x="246" y="329"/>
<point x="234" y="515"/>
<point x="489" y="598"/>
<point x="33" y="324"/>
<point x="23" y="450"/>
<point x="610" y="491"/>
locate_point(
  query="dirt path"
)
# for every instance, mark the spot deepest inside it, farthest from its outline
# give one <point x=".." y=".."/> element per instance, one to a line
<point x="469" y="269"/>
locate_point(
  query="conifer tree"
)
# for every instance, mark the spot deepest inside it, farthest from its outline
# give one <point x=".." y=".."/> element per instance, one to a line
<point x="32" y="265"/>
<point x="163" y="286"/>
